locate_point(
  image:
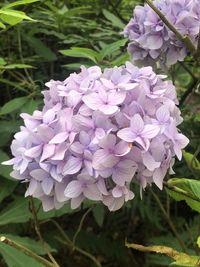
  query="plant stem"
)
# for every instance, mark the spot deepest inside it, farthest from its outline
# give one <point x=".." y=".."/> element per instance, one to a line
<point x="81" y="251"/>
<point x="26" y="251"/>
<point x="171" y="224"/>
<point x="185" y="39"/>
<point x="72" y="246"/>
<point x="80" y="226"/>
<point x="190" y="89"/>
<point x="185" y="67"/>
<point x="38" y="232"/>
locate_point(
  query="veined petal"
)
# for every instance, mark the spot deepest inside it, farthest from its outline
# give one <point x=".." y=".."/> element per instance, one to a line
<point x="93" y="101"/>
<point x="59" y="138"/>
<point x="73" y="189"/>
<point x="72" y="166"/>
<point x="127" y="135"/>
<point x="92" y="192"/>
<point x="150" y="131"/>
<point x="108" y="109"/>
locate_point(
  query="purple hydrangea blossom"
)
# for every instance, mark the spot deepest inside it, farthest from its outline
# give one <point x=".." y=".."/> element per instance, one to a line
<point x="151" y="40"/>
<point x="97" y="133"/>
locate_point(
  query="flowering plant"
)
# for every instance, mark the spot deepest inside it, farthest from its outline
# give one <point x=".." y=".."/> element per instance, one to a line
<point x="99" y="131"/>
<point x="152" y="40"/>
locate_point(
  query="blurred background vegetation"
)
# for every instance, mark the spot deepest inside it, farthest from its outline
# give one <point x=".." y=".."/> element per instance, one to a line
<point x="43" y="40"/>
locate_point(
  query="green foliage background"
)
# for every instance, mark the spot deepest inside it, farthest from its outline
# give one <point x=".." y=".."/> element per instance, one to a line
<point x="48" y="39"/>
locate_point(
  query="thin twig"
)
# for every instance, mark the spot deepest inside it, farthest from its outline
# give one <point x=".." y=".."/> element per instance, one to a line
<point x="22" y="58"/>
<point x="38" y="232"/>
<point x="190" y="89"/>
<point x="26" y="251"/>
<point x="80" y="226"/>
<point x="83" y="252"/>
<point x="187" y="69"/>
<point x="171" y="224"/>
<point x="62" y="232"/>
<point x="185" y="39"/>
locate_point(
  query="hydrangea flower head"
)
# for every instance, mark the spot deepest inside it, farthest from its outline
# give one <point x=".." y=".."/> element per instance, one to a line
<point x="150" y="39"/>
<point x="98" y="132"/>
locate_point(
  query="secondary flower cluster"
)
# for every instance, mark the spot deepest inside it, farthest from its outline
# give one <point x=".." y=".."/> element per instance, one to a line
<point x="97" y="132"/>
<point x="151" y="40"/>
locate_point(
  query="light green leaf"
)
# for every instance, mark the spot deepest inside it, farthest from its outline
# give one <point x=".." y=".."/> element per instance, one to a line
<point x="111" y="48"/>
<point x="112" y="18"/>
<point x="185" y="189"/>
<point x="18" y="3"/>
<point x="16" y="212"/>
<point x="16" y="66"/>
<point x="2" y="25"/>
<point x="82" y="53"/>
<point x="13" y="105"/>
<point x="2" y="61"/>
<point x="198" y="241"/>
<point x="6" y="187"/>
<point x="12" y="17"/>
<point x="99" y="213"/>
<point x="15" y="258"/>
<point x="191" y="161"/>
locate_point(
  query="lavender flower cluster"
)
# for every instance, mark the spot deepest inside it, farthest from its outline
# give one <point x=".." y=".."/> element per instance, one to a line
<point x="151" y="40"/>
<point x="99" y="131"/>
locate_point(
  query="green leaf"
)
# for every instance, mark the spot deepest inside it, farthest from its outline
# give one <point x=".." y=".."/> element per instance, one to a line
<point x="15" y="258"/>
<point x="180" y="259"/>
<point x="40" y="48"/>
<point x="29" y="243"/>
<point x="2" y="61"/>
<point x="16" y="212"/>
<point x="16" y="66"/>
<point x="13" y="105"/>
<point x="113" y="19"/>
<point x="13" y="17"/>
<point x="198" y="241"/>
<point x="111" y="48"/>
<point x="2" y="25"/>
<point x="6" y="187"/>
<point x="18" y="3"/>
<point x="121" y="60"/>
<point x="31" y="105"/>
<point x="191" y="161"/>
<point x="187" y="190"/>
<point x="82" y="53"/>
<point x="99" y="213"/>
<point x="4" y="170"/>
<point x="66" y="209"/>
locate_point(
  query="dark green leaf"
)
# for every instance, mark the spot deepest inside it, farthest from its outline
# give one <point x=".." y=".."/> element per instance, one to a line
<point x="112" y="18"/>
<point x="15" y="258"/>
<point x="6" y="187"/>
<point x="4" y="170"/>
<point x="82" y="53"/>
<point x="16" y="212"/>
<point x="99" y="213"/>
<point x="13" y="105"/>
<point x="40" y="48"/>
<point x="111" y="48"/>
